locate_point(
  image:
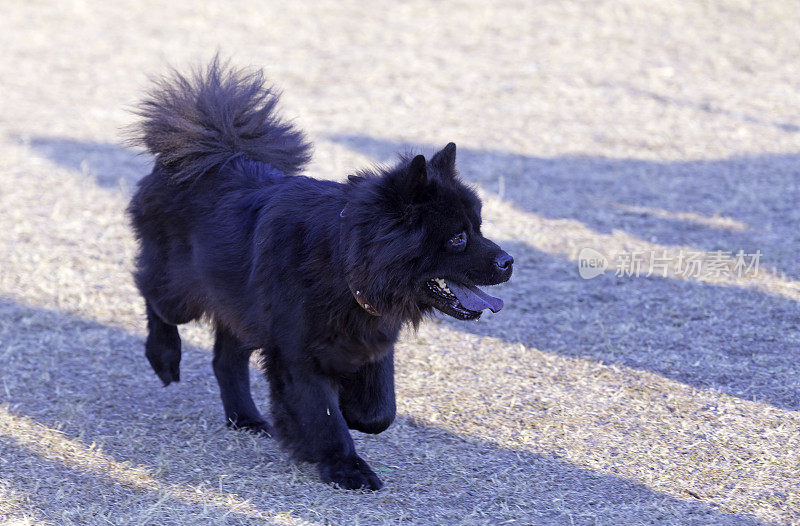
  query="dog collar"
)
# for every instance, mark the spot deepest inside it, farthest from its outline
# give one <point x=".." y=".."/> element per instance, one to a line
<point x="359" y="296"/>
<point x="357" y="293"/>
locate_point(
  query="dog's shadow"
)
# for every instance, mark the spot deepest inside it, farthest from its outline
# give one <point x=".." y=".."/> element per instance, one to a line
<point x="124" y="437"/>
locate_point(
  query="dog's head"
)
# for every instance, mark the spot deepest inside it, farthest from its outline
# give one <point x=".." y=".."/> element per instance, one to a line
<point x="414" y="242"/>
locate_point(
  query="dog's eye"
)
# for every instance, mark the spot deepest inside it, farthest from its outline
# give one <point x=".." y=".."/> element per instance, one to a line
<point x="459" y="241"/>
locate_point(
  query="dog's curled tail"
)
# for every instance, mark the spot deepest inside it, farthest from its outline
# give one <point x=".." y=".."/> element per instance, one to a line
<point x="195" y="123"/>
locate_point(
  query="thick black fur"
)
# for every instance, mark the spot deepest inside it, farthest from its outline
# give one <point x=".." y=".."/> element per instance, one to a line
<point x="228" y="231"/>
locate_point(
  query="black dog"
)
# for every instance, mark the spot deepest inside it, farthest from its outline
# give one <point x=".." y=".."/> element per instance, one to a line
<point x="320" y="276"/>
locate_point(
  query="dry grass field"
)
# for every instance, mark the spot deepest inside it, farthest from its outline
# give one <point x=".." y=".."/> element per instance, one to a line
<point x="652" y="127"/>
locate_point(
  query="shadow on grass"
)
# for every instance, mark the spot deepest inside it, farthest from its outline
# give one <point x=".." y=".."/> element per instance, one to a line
<point x="165" y="453"/>
<point x="747" y="202"/>
<point x="738" y="340"/>
<point x="110" y="165"/>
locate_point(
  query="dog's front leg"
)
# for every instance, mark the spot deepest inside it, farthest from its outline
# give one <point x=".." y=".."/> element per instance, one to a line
<point x="308" y="420"/>
<point x="367" y="397"/>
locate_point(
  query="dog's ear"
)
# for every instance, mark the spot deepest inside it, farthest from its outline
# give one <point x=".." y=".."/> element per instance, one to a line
<point x="416" y="177"/>
<point x="445" y="159"/>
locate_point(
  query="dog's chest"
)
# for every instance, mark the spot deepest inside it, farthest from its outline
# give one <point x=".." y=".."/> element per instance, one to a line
<point x="349" y="352"/>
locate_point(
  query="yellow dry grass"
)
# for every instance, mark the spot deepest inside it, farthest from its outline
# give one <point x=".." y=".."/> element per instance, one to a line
<point x="620" y="126"/>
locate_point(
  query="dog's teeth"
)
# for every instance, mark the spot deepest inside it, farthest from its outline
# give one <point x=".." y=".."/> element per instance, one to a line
<point x="442" y="284"/>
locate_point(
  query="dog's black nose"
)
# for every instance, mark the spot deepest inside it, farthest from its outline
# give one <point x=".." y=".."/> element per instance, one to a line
<point x="504" y="260"/>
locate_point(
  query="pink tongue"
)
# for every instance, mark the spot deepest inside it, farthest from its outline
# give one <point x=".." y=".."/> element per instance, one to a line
<point x="474" y="298"/>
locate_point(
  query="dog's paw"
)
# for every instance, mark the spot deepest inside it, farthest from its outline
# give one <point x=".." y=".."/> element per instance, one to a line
<point x="350" y="473"/>
<point x="166" y="364"/>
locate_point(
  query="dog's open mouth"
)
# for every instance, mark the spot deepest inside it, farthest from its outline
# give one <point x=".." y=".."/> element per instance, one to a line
<point x="465" y="302"/>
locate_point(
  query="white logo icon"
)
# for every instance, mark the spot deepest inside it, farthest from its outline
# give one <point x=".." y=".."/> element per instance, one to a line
<point x="591" y="263"/>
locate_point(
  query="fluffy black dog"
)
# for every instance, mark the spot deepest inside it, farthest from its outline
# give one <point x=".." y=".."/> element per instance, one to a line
<point x="319" y="276"/>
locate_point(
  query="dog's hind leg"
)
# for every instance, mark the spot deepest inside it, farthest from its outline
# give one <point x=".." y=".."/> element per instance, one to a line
<point x="232" y="369"/>
<point x="367" y="399"/>
<point x="163" y="347"/>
